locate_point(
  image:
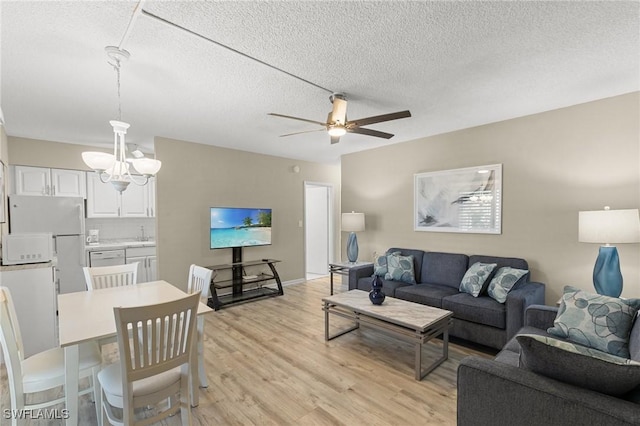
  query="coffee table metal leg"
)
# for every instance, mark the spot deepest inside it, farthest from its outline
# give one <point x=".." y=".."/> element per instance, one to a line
<point x="327" y="308"/>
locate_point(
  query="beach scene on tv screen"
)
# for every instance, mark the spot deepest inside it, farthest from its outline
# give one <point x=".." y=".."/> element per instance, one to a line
<point x="238" y="227"/>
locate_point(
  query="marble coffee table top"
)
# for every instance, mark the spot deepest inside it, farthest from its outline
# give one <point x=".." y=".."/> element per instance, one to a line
<point x="396" y="311"/>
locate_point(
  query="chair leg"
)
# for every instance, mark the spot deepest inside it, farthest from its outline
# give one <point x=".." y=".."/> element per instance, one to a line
<point x="202" y="375"/>
<point x="97" y="395"/>
<point x="185" y="401"/>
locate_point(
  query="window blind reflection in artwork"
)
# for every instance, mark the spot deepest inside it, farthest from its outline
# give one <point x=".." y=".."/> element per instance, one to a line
<point x="460" y="200"/>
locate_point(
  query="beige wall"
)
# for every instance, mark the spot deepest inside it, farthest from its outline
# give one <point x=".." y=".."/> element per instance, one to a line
<point x="195" y="177"/>
<point x="39" y="153"/>
<point x="555" y="164"/>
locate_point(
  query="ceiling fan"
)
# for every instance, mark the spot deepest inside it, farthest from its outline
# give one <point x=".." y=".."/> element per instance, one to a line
<point x="337" y="124"/>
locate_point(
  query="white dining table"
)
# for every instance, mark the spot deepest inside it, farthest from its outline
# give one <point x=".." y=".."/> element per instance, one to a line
<point x="88" y="316"/>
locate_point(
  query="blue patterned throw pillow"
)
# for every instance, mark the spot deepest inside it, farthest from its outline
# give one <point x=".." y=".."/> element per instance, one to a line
<point x="596" y="321"/>
<point x="579" y="365"/>
<point x="380" y="264"/>
<point x="503" y="282"/>
<point x="475" y="278"/>
<point x="400" y="268"/>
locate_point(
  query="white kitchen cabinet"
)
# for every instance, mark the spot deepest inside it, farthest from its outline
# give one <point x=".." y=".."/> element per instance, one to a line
<point x="104" y="201"/>
<point x="152" y="196"/>
<point x="42" y="181"/>
<point x="34" y="298"/>
<point x="102" y="198"/>
<point x="146" y="258"/>
<point x="134" y="201"/>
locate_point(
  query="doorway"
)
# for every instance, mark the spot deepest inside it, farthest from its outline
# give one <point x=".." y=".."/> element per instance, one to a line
<point x="318" y="229"/>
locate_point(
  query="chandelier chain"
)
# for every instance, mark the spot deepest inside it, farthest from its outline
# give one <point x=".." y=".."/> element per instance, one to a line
<point x="116" y="67"/>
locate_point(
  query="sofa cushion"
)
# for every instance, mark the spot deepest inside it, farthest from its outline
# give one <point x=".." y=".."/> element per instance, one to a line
<point x="388" y="287"/>
<point x="475" y="278"/>
<point x="634" y="341"/>
<point x="597" y="321"/>
<point x="444" y="268"/>
<point x="400" y="268"/>
<point x="513" y="345"/>
<point x="417" y="258"/>
<point x="503" y="281"/>
<point x="426" y="294"/>
<point x="481" y="310"/>
<point x="578" y="365"/>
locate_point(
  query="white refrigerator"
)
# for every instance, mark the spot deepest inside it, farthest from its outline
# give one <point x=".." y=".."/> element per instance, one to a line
<point x="64" y="218"/>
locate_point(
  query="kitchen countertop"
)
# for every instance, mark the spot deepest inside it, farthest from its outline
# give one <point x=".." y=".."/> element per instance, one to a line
<point x="7" y="268"/>
<point x="119" y="244"/>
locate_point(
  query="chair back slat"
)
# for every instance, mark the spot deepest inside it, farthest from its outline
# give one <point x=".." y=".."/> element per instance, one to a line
<point x="164" y="336"/>
<point x="199" y="280"/>
<point x="11" y="345"/>
<point x="99" y="277"/>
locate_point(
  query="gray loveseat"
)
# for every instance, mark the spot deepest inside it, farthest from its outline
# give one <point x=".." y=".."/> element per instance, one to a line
<point x="438" y="275"/>
<point x="498" y="392"/>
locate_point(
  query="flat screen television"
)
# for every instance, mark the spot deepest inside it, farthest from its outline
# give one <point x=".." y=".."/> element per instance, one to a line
<point x="239" y="227"/>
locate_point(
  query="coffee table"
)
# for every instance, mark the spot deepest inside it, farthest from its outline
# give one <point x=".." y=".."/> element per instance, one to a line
<point x="409" y="321"/>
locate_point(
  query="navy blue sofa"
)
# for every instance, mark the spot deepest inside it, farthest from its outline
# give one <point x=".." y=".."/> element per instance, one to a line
<point x="477" y="319"/>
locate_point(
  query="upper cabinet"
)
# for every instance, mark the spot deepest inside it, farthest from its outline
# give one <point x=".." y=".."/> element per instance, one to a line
<point x="42" y="181"/>
<point x="104" y="201"/>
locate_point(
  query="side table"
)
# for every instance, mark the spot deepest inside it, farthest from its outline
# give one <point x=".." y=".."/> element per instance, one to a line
<point x="342" y="268"/>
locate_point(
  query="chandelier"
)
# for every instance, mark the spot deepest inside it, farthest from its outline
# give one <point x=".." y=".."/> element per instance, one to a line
<point x="116" y="167"/>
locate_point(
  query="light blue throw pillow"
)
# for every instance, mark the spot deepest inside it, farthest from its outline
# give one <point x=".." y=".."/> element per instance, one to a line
<point x="475" y="277"/>
<point x="503" y="282"/>
<point x="380" y="264"/>
<point x="400" y="268"/>
<point x="597" y="321"/>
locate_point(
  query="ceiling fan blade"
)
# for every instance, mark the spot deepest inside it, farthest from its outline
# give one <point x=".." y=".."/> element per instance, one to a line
<point x="379" y="118"/>
<point x="306" y="131"/>
<point x="335" y="139"/>
<point x="299" y="119"/>
<point x="369" y="132"/>
<point x="339" y="112"/>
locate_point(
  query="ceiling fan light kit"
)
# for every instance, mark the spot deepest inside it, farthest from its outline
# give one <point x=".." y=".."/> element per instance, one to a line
<point x="338" y="125"/>
<point x="114" y="167"/>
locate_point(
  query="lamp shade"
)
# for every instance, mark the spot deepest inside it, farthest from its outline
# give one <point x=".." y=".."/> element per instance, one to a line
<point x="98" y="160"/>
<point x="353" y="222"/>
<point x="147" y="166"/>
<point x="609" y="226"/>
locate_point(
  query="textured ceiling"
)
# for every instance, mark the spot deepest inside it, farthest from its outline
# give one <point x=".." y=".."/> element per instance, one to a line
<point x="453" y="64"/>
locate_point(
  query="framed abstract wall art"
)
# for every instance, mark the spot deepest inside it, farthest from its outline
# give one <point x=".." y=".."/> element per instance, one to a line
<point x="459" y="200"/>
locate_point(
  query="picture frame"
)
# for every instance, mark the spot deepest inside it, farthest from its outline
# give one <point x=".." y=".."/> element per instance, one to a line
<point x="466" y="200"/>
<point x="3" y="195"/>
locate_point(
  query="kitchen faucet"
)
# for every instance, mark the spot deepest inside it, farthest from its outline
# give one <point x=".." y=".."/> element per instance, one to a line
<point x="142" y="237"/>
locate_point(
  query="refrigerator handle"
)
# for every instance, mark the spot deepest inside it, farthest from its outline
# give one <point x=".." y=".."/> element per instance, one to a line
<point x="55" y="245"/>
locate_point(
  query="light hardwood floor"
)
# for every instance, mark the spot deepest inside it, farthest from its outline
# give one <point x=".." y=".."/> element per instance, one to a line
<point x="268" y="364"/>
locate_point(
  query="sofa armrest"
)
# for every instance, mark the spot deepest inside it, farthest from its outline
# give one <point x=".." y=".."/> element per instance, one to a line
<point x="358" y="272"/>
<point x="518" y="299"/>
<point x="494" y="393"/>
<point x="540" y="316"/>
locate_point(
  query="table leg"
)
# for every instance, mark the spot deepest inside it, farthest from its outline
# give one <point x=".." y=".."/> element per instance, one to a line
<point x="193" y="374"/>
<point x="331" y="280"/>
<point x="71" y="362"/>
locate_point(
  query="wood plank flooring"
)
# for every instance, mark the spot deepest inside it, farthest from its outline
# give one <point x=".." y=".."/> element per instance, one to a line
<point x="268" y="364"/>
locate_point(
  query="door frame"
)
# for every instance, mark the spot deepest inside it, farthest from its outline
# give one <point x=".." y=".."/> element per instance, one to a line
<point x="330" y="221"/>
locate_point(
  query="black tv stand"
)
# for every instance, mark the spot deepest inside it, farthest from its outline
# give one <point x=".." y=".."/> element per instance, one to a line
<point x="243" y="287"/>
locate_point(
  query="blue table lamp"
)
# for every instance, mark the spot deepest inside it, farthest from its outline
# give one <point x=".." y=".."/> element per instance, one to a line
<point x="608" y="227"/>
<point x="352" y="222"/>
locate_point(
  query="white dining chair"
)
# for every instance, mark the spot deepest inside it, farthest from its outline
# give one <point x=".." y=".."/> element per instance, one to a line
<point x="153" y="369"/>
<point x="42" y="371"/>
<point x="99" y="277"/>
<point x="199" y="282"/>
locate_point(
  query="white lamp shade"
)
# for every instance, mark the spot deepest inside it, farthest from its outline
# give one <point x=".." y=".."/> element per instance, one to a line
<point x="147" y="166"/>
<point x="98" y="160"/>
<point x="353" y="222"/>
<point x="609" y="226"/>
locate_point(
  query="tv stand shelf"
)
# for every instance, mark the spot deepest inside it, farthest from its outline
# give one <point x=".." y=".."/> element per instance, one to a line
<point x="243" y="287"/>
